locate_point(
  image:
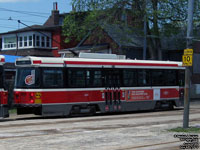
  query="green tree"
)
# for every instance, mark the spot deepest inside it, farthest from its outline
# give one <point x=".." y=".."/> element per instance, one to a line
<point x="164" y="18"/>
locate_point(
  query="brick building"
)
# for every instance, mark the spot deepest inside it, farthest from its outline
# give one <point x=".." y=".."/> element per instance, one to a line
<point x="36" y="40"/>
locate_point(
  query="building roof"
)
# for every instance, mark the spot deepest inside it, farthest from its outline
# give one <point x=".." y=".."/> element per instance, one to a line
<point x="51" y="22"/>
<point x="123" y="35"/>
<point x="31" y="28"/>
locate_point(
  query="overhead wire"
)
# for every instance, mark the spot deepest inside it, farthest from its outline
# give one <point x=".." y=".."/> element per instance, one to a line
<point x="2" y="26"/>
<point x="11" y="19"/>
<point x="37" y="14"/>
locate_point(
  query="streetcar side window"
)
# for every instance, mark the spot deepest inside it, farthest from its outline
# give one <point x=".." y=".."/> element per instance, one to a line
<point x="93" y="78"/>
<point x="181" y="77"/>
<point x="129" y="77"/>
<point x="53" y="78"/>
<point x="170" y="77"/>
<point x="157" y="77"/>
<point x="76" y="78"/>
<point x="143" y="77"/>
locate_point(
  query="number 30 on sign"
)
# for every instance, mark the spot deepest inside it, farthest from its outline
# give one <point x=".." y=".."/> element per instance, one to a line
<point x="187" y="60"/>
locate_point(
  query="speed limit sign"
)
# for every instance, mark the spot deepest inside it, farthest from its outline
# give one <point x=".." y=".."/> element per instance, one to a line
<point x="187" y="60"/>
<point x="187" y="57"/>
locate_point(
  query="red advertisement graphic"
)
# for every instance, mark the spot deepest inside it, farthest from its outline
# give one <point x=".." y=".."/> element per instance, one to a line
<point x="170" y="93"/>
<point x="134" y="95"/>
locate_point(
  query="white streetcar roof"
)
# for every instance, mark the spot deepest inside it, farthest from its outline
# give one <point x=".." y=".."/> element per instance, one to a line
<point x="93" y="63"/>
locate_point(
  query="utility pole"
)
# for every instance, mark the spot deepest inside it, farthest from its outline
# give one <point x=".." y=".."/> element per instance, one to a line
<point x="145" y="32"/>
<point x="187" y="71"/>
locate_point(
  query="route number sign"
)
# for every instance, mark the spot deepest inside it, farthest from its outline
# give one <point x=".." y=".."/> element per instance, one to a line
<point x="187" y="57"/>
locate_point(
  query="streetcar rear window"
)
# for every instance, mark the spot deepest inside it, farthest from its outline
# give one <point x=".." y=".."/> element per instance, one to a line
<point x="27" y="78"/>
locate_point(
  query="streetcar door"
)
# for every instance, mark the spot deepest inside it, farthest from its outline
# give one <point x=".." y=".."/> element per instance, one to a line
<point x="112" y="90"/>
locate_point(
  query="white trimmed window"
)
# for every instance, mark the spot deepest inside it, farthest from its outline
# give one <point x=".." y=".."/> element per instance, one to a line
<point x="47" y="42"/>
<point x="38" y="41"/>
<point x="30" y="41"/>
<point x="25" y="41"/>
<point x="10" y="42"/>
<point x="20" y="41"/>
<point x="43" y="41"/>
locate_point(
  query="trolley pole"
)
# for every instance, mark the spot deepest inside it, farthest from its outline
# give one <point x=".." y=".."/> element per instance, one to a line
<point x="189" y="59"/>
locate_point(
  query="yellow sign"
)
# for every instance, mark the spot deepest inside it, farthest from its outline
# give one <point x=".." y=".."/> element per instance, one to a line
<point x="188" y="51"/>
<point x="38" y="101"/>
<point x="38" y="95"/>
<point x="187" y="60"/>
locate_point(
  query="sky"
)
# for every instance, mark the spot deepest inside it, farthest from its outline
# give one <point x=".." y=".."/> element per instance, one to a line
<point x="29" y="12"/>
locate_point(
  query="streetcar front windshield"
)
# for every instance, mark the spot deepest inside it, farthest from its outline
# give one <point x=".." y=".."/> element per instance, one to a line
<point x="27" y="78"/>
<point x="1" y="76"/>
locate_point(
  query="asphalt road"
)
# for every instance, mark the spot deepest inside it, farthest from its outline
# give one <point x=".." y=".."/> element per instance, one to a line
<point x="129" y="131"/>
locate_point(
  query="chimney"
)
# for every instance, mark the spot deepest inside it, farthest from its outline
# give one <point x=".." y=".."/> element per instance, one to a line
<point x="55" y="14"/>
<point x="55" y="6"/>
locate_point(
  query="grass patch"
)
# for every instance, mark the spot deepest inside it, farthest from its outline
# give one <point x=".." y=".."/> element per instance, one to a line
<point x="12" y="111"/>
<point x="187" y="130"/>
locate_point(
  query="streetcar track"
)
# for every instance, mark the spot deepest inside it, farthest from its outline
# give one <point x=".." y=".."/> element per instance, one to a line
<point x="149" y="145"/>
<point x="84" y="129"/>
<point x="17" y="131"/>
<point x="91" y="119"/>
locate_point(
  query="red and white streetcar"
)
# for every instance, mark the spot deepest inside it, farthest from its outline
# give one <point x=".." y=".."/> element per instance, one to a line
<point x="3" y="92"/>
<point x="96" y="83"/>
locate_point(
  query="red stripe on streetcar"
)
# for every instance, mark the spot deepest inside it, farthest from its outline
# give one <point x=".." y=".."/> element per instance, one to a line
<point x="118" y="63"/>
<point x="40" y="62"/>
<point x="37" y="61"/>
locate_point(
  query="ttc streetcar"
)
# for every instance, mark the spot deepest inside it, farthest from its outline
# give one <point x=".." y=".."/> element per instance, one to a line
<point x="3" y="93"/>
<point x="96" y="83"/>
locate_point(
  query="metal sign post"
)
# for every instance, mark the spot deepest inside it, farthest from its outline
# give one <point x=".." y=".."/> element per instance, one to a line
<point x="187" y="61"/>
